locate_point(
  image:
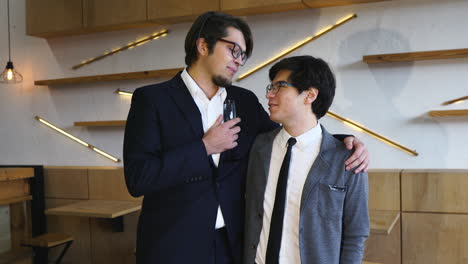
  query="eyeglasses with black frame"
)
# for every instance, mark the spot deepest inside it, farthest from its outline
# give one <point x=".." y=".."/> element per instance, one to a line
<point x="274" y="87"/>
<point x="236" y="51"/>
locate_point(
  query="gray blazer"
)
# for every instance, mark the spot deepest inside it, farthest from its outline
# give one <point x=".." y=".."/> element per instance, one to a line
<point x="334" y="219"/>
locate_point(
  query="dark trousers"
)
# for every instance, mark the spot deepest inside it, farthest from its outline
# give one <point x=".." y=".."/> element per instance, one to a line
<point x="220" y="251"/>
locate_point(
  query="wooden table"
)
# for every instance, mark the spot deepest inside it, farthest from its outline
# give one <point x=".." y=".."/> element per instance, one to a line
<point x="113" y="210"/>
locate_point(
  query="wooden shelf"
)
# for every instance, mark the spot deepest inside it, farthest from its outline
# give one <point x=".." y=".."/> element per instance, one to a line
<point x="382" y="222"/>
<point x="165" y="73"/>
<point x="8" y="174"/>
<point x="100" y="123"/>
<point x="460" y="112"/>
<point x="15" y="200"/>
<point x="416" y="56"/>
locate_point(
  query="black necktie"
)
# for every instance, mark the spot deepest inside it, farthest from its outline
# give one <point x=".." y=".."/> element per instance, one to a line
<point x="276" y="225"/>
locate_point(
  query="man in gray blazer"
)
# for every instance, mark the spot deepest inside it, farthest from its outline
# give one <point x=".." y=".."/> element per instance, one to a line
<point x="302" y="206"/>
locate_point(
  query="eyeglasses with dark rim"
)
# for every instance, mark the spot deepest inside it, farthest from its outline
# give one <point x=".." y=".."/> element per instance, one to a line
<point x="236" y="51"/>
<point x="274" y="87"/>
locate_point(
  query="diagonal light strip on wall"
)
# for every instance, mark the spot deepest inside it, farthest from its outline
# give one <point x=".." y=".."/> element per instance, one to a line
<point x="297" y="46"/>
<point x="128" y="46"/>
<point x="120" y="92"/>
<point x="456" y="101"/>
<point x="372" y="133"/>
<point x="65" y="133"/>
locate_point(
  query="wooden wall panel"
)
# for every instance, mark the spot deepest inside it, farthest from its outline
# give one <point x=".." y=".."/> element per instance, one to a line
<point x="79" y="227"/>
<point x="108" y="184"/>
<point x="384" y="190"/>
<point x="15" y="188"/>
<point x="99" y="13"/>
<point x="435" y="191"/>
<point x="47" y="16"/>
<point x="173" y="11"/>
<point x="251" y="7"/>
<point x="383" y="248"/>
<point x="435" y="238"/>
<point x="114" y="247"/>
<point x="327" y="3"/>
<point x="66" y="182"/>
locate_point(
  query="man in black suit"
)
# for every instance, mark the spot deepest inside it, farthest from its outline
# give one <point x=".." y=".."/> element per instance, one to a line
<point x="188" y="164"/>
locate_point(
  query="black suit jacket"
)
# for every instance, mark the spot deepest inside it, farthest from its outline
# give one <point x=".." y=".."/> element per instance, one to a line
<point x="166" y="161"/>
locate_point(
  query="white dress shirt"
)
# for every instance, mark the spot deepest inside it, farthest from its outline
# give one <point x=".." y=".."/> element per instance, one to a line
<point x="209" y="110"/>
<point x="303" y="155"/>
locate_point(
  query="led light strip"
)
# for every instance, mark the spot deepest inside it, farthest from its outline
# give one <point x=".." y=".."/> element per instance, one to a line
<point x="456" y="101"/>
<point x="297" y="46"/>
<point x="129" y="46"/>
<point x="372" y="133"/>
<point x="63" y="132"/>
<point x="118" y="91"/>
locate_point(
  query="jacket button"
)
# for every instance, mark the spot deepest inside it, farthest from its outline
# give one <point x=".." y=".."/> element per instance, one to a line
<point x="260" y="216"/>
<point x="254" y="247"/>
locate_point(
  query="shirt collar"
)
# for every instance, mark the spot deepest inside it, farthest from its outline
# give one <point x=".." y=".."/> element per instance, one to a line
<point x="304" y="140"/>
<point x="195" y="90"/>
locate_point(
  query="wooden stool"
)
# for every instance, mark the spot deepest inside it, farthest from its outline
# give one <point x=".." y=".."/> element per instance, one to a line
<point x="41" y="245"/>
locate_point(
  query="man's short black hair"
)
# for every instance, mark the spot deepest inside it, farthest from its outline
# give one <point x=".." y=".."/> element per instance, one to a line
<point x="309" y="72"/>
<point x="212" y="26"/>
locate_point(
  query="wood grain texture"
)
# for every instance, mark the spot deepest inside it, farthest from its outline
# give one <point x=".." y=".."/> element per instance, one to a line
<point x="384" y="190"/>
<point x="177" y="11"/>
<point x="53" y="16"/>
<point x="8" y="174"/>
<point x="48" y="240"/>
<point x="382" y="222"/>
<point x="15" y="200"/>
<point x="114" y="247"/>
<point x="434" y="238"/>
<point x="96" y="208"/>
<point x="99" y="13"/>
<point x="164" y="73"/>
<point x="435" y="191"/>
<point x="66" y="183"/>
<point x="109" y="184"/>
<point x="458" y="112"/>
<point x="105" y="123"/>
<point x="14" y="189"/>
<point x="78" y="227"/>
<point x="383" y="248"/>
<point x="252" y="7"/>
<point x="416" y="56"/>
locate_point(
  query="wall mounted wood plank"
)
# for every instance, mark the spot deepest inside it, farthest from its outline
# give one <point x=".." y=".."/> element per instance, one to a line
<point x="382" y="221"/>
<point x="100" y="123"/>
<point x="440" y="113"/>
<point x="7" y="174"/>
<point x="164" y="73"/>
<point x="253" y="7"/>
<point x="416" y="56"/>
<point x="15" y="199"/>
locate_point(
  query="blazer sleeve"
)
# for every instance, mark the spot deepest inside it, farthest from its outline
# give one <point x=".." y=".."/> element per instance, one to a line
<point x="355" y="219"/>
<point x="148" y="168"/>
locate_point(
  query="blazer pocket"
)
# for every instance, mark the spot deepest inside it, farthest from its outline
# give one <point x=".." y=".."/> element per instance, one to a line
<point x="331" y="201"/>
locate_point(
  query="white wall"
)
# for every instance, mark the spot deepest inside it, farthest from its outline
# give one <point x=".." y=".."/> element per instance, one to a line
<point x="391" y="99"/>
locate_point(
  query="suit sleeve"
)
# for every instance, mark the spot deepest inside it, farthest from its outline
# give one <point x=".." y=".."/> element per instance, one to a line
<point x="355" y="219"/>
<point x="148" y="168"/>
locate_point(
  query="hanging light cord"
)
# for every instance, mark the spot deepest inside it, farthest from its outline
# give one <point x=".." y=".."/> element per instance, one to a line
<point x="9" y="43"/>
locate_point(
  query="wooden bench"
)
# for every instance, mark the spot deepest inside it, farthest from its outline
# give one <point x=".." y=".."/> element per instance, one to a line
<point x="41" y="245"/>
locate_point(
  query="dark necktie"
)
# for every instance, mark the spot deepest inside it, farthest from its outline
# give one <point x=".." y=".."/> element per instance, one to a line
<point x="276" y="225"/>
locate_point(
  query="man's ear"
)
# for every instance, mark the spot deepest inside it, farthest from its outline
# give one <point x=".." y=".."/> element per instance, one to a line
<point x="202" y="47"/>
<point x="312" y="94"/>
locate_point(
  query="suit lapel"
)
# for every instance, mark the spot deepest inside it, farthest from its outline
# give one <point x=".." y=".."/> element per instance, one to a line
<point x="183" y="99"/>
<point x="321" y="166"/>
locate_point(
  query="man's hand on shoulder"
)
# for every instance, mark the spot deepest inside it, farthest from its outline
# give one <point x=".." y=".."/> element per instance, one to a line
<point x="360" y="158"/>
<point x="221" y="136"/>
